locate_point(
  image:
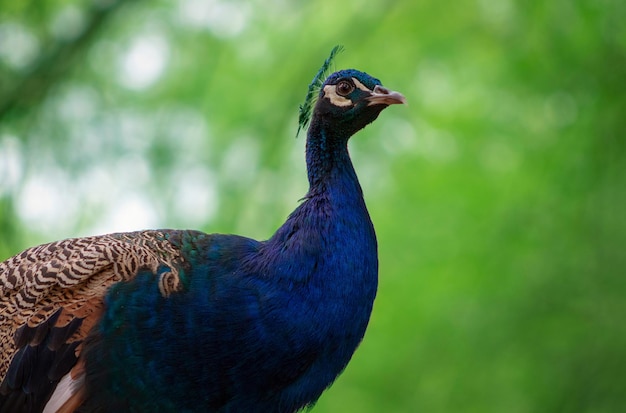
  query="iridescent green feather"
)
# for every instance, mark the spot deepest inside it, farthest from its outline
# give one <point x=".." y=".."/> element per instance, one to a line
<point x="312" y="94"/>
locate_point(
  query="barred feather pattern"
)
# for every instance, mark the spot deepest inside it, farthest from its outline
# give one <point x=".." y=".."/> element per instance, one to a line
<point x="73" y="275"/>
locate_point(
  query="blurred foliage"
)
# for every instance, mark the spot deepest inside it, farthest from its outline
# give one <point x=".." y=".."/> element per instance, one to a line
<point x="498" y="194"/>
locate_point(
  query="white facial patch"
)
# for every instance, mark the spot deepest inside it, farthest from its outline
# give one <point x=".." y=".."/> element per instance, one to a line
<point x="360" y="85"/>
<point x="330" y="92"/>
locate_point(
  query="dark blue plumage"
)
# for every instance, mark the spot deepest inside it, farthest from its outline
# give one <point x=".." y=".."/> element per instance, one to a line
<point x="248" y="326"/>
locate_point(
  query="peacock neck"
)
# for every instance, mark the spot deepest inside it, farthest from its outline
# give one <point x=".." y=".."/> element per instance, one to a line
<point x="330" y="235"/>
<point x="328" y="162"/>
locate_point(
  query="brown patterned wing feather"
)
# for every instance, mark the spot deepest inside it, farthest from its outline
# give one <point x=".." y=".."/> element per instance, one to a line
<point x="52" y="295"/>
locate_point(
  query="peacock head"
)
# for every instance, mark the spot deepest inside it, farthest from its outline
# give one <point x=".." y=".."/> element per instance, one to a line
<point x="350" y="99"/>
<point x="345" y="101"/>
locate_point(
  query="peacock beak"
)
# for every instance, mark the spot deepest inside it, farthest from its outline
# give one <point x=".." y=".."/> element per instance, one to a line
<point x="383" y="96"/>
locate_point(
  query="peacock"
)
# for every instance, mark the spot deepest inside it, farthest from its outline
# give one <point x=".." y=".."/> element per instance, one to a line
<point x="185" y="321"/>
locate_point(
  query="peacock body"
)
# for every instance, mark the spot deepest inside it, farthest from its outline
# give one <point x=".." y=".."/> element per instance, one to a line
<point x="183" y="321"/>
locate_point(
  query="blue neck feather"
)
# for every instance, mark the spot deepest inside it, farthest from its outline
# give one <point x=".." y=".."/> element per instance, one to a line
<point x="327" y="156"/>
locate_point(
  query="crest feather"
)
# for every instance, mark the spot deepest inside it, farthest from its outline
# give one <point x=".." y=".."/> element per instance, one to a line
<point x="312" y="94"/>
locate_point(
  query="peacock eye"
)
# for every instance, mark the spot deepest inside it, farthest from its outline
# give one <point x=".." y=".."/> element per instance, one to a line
<point x="344" y="88"/>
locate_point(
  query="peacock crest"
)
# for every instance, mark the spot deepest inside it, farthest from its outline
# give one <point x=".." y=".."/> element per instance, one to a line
<point x="312" y="93"/>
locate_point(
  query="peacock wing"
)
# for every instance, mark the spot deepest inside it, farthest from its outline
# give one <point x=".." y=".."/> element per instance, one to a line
<point x="50" y="298"/>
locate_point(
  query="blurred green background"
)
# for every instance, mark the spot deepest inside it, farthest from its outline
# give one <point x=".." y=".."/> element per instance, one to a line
<point x="498" y="194"/>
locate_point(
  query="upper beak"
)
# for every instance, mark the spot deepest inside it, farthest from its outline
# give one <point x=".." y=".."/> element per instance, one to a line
<point x="383" y="96"/>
